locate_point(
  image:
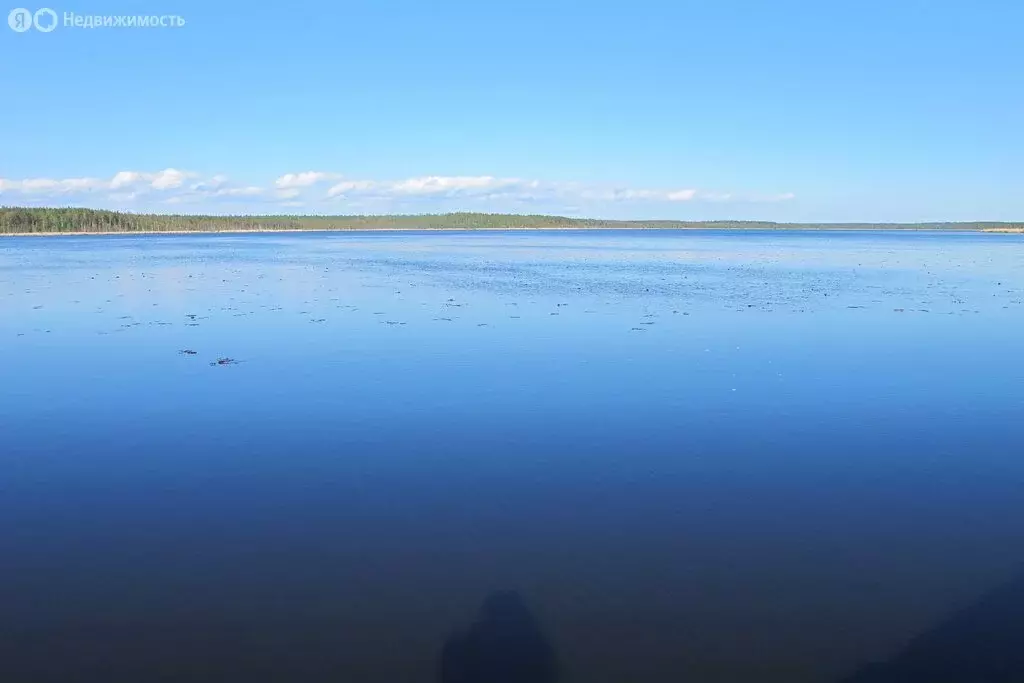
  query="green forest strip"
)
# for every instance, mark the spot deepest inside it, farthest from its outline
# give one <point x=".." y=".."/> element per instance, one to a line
<point x="55" y="221"/>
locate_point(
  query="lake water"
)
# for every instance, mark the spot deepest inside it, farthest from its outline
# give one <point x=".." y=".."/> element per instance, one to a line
<point x="694" y="456"/>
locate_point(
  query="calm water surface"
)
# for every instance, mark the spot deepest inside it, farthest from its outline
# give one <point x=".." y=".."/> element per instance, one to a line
<point x="695" y="456"/>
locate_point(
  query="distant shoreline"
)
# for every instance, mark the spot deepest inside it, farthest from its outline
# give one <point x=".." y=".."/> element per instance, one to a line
<point x="31" y="222"/>
<point x="246" y="231"/>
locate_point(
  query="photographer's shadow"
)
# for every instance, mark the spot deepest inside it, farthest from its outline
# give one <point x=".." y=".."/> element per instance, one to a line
<point x="504" y="645"/>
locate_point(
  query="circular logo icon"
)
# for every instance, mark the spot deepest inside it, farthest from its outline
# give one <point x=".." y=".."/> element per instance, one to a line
<point x="20" y="19"/>
<point x="45" y="20"/>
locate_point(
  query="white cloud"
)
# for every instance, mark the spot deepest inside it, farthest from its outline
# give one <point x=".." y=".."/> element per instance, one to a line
<point x="681" y="195"/>
<point x="50" y="186"/>
<point x="124" y="179"/>
<point x="166" y="186"/>
<point x="82" y="184"/>
<point x="449" y="185"/>
<point x="249" y="191"/>
<point x="304" y="179"/>
<point x="416" y="194"/>
<point x="168" y="179"/>
<point x="349" y="186"/>
<point x="626" y="195"/>
<point x="40" y="185"/>
<point x="209" y="184"/>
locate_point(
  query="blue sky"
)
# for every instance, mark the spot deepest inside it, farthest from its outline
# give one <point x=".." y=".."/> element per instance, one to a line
<point x="809" y="111"/>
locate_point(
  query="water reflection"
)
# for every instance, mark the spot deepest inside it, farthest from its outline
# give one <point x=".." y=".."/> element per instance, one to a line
<point x="504" y="645"/>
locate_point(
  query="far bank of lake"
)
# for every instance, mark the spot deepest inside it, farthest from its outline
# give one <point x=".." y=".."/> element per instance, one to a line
<point x="71" y="221"/>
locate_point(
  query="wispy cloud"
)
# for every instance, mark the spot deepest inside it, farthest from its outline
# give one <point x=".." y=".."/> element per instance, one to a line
<point x="304" y="179"/>
<point x="347" y="187"/>
<point x="169" y="185"/>
<point x="169" y="179"/>
<point x="330" y="191"/>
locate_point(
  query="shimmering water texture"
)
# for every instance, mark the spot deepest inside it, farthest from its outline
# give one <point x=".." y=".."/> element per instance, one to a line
<point x="551" y="456"/>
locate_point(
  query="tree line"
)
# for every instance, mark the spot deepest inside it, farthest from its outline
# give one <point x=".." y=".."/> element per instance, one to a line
<point x="21" y="220"/>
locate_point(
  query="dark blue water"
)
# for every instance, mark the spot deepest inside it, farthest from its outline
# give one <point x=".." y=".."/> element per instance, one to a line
<point x="694" y="456"/>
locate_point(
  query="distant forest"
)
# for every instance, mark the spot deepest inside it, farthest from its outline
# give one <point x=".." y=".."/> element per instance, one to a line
<point x="70" y="220"/>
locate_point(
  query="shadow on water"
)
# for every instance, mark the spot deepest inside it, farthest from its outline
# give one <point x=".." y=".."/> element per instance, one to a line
<point x="982" y="643"/>
<point x="504" y="645"/>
